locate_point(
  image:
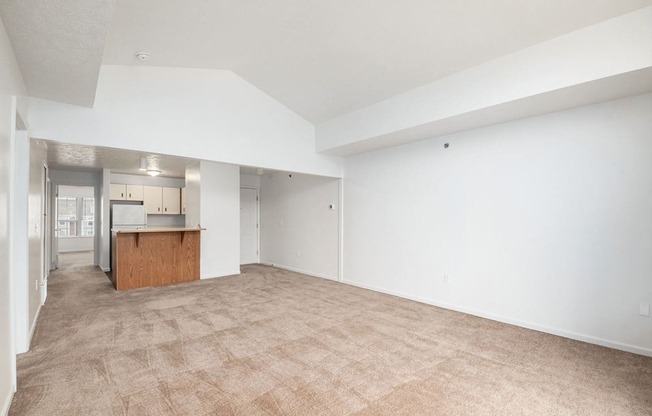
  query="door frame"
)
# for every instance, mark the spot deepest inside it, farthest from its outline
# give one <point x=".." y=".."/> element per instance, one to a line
<point x="257" y="219"/>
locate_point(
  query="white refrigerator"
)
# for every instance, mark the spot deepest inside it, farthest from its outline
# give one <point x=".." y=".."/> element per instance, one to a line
<point x="128" y="217"/>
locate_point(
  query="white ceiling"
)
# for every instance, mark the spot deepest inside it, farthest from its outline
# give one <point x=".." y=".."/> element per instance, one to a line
<point x="321" y="59"/>
<point x="58" y="45"/>
<point x="77" y="157"/>
<point x="65" y="156"/>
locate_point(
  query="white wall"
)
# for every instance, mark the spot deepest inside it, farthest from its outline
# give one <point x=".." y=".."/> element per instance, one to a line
<point x="203" y="114"/>
<point x="105" y="212"/>
<point x="298" y="231"/>
<point x="249" y="181"/>
<point x="220" y="215"/>
<point x="193" y="198"/>
<point x="36" y="233"/>
<point x="543" y="222"/>
<point x="21" y="258"/>
<point x="12" y="89"/>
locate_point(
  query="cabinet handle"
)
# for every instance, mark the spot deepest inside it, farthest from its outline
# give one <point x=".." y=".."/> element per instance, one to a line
<point x="129" y="194"/>
<point x="122" y="195"/>
<point x="166" y="209"/>
<point x="158" y="208"/>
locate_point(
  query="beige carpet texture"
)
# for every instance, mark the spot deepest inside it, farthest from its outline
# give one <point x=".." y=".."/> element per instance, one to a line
<point x="273" y="342"/>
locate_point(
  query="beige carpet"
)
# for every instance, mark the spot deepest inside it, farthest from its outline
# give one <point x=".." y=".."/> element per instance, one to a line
<point x="271" y="342"/>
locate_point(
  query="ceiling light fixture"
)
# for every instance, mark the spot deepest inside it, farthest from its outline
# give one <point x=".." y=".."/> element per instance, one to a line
<point x="143" y="56"/>
<point x="153" y="172"/>
<point x="143" y="165"/>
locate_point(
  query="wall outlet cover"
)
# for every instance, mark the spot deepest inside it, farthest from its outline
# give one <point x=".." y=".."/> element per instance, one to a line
<point x="644" y="309"/>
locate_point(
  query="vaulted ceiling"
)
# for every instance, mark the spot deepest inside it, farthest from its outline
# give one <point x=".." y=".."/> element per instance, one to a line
<point x="320" y="59"/>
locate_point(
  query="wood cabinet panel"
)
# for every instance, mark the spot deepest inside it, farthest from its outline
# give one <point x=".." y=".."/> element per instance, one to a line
<point x="154" y="259"/>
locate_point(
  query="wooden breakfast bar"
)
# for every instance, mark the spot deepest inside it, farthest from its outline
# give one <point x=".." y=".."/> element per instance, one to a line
<point x="154" y="256"/>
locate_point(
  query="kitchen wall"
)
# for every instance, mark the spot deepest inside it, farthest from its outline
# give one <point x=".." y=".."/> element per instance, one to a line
<point x="12" y="89"/>
<point x="153" y="220"/>
<point x="298" y="229"/>
<point x="542" y="222"/>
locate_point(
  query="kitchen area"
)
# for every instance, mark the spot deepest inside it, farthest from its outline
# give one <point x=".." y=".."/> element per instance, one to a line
<point x="150" y="242"/>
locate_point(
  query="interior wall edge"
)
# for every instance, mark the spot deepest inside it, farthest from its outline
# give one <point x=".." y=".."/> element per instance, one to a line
<point x="7" y="402"/>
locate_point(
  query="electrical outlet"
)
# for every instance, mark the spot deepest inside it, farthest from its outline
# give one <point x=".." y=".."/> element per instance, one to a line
<point x="447" y="279"/>
<point x="644" y="309"/>
<point x="298" y="254"/>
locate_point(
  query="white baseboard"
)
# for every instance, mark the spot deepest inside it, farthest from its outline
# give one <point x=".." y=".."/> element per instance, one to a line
<point x="221" y="274"/>
<point x="306" y="272"/>
<point x="517" y="322"/>
<point x="105" y="269"/>
<point x="33" y="327"/>
<point x="7" y="400"/>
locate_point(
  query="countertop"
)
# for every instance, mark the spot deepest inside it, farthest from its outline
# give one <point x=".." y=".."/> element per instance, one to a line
<point x="156" y="230"/>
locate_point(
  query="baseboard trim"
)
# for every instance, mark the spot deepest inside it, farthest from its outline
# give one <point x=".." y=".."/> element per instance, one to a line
<point x="306" y="272"/>
<point x="517" y="322"/>
<point x="105" y="269"/>
<point x="221" y="274"/>
<point x="33" y="328"/>
<point x="7" y="401"/>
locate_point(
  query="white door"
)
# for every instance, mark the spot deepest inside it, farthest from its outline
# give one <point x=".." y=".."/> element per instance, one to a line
<point x="248" y="226"/>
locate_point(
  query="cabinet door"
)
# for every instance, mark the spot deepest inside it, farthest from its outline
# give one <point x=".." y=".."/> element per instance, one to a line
<point x="171" y="201"/>
<point x="135" y="192"/>
<point x="153" y="199"/>
<point x="117" y="191"/>
<point x="183" y="200"/>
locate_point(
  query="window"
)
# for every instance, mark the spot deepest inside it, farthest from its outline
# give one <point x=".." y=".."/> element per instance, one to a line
<point x="76" y="217"/>
<point x="88" y="217"/>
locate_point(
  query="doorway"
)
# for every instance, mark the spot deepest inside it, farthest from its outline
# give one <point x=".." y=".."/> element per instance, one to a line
<point x="75" y="226"/>
<point x="248" y="225"/>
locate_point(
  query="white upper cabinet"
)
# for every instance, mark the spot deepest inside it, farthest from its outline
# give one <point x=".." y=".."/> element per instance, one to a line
<point x="122" y="192"/>
<point x="171" y="201"/>
<point x="160" y="200"/>
<point x="153" y="199"/>
<point x="117" y="191"/>
<point x="135" y="192"/>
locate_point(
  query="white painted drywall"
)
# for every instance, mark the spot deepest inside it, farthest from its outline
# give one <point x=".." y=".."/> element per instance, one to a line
<point x="193" y="199"/>
<point x="542" y="222"/>
<point x="105" y="213"/>
<point x="602" y="51"/>
<point x="204" y="114"/>
<point x="36" y="234"/>
<point x="298" y="230"/>
<point x="12" y="91"/>
<point x="220" y="215"/>
<point x="20" y="249"/>
<point x="249" y="181"/>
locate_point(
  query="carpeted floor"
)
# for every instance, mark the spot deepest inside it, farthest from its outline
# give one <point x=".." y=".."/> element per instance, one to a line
<point x="272" y="342"/>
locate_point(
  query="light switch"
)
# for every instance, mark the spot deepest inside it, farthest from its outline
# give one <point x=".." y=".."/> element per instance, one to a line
<point x="644" y="309"/>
